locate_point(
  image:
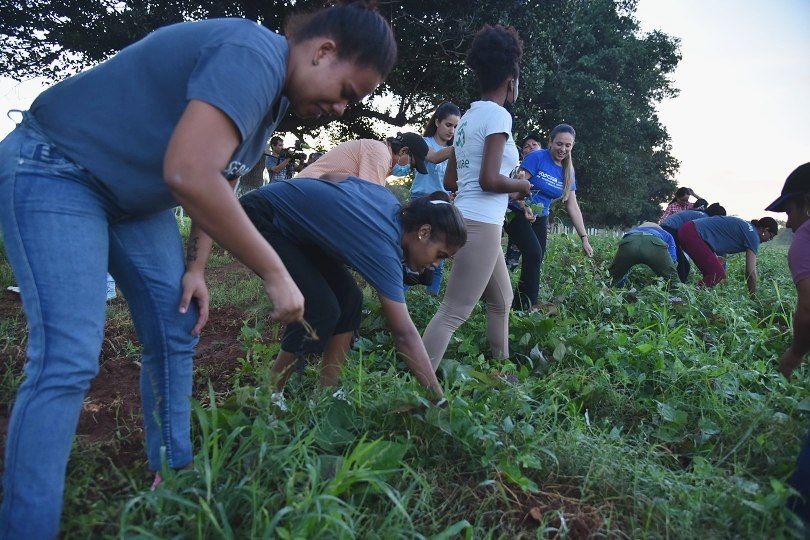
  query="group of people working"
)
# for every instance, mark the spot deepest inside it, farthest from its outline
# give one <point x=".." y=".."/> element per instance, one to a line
<point x="698" y="231"/>
<point x="89" y="178"/>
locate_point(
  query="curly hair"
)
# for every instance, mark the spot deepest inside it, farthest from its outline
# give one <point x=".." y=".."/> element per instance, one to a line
<point x="495" y="55"/>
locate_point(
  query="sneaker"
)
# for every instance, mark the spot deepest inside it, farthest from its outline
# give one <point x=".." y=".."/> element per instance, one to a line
<point x="340" y="394"/>
<point x="278" y="401"/>
<point x="156" y="482"/>
<point x="110" y="288"/>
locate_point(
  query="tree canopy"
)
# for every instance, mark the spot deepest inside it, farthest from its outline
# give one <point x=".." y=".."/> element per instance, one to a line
<point x="586" y="63"/>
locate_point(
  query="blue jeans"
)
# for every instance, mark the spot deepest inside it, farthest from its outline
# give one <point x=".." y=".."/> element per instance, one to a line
<point x="61" y="233"/>
<point x="437" y="279"/>
<point x="800" y="480"/>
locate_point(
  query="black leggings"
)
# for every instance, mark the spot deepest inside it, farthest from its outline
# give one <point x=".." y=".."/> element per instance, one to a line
<point x="683" y="262"/>
<point x="531" y="239"/>
<point x="332" y="300"/>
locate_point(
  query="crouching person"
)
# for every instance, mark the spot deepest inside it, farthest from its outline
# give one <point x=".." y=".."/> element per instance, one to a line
<point x="320" y="228"/>
<point x="647" y="244"/>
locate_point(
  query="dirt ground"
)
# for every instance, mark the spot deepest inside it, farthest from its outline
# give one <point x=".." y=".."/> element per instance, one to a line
<point x="111" y="413"/>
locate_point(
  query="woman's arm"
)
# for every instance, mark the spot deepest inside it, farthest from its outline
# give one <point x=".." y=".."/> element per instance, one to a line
<point x="751" y="271"/>
<point x="451" y="175"/>
<point x="579" y="224"/>
<point x="409" y="344"/>
<point x="794" y="356"/>
<point x="437" y="156"/>
<point x="490" y="176"/>
<point x="199" y="150"/>
<point x="197" y="251"/>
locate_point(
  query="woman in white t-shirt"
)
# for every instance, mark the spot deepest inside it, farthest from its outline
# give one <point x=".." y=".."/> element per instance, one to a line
<point x="485" y="154"/>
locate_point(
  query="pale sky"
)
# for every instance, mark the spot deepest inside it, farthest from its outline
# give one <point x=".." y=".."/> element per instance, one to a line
<point x="741" y="123"/>
<point x="742" y="120"/>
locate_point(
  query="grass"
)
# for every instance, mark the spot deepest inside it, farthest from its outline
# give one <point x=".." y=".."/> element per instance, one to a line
<point x="643" y="412"/>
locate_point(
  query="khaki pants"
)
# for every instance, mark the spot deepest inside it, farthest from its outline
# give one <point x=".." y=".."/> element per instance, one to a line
<point x="642" y="249"/>
<point x="478" y="269"/>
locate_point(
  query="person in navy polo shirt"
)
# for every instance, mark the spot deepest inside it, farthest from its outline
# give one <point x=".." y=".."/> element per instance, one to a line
<point x="320" y="229"/>
<point x="89" y="181"/>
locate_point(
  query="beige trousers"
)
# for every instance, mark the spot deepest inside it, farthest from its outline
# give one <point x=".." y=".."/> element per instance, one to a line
<point x="478" y="269"/>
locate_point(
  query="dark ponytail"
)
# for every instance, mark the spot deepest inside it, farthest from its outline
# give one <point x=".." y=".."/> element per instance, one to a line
<point x="715" y="209"/>
<point x="435" y="210"/>
<point x="767" y="223"/>
<point x="444" y="110"/>
<point x="361" y="34"/>
<point x="680" y="193"/>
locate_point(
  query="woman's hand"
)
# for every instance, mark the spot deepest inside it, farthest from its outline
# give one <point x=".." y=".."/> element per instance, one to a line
<point x="531" y="217"/>
<point x="288" y="302"/>
<point x="194" y="287"/>
<point x="789" y="362"/>
<point x="525" y="187"/>
<point x="586" y="246"/>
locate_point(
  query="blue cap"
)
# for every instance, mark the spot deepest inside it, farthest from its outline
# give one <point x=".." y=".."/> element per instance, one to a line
<point x="798" y="183"/>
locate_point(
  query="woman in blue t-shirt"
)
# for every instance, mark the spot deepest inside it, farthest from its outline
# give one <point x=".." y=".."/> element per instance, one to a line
<point x="438" y="135"/>
<point x="708" y="240"/>
<point x="320" y="228"/>
<point x="89" y="180"/>
<point x="551" y="173"/>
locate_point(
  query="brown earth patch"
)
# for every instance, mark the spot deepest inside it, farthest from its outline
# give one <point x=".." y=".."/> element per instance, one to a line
<point x="111" y="413"/>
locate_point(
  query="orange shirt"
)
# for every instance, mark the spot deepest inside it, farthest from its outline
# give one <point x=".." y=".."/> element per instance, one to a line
<point x="365" y="158"/>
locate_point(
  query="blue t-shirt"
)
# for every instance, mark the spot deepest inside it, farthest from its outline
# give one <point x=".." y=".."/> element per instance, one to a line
<point x="727" y="234"/>
<point x="548" y="179"/>
<point x="355" y="221"/>
<point x="425" y="184"/>
<point x="684" y="216"/>
<point x="116" y="119"/>
<point x="660" y="233"/>
<point x="274" y="161"/>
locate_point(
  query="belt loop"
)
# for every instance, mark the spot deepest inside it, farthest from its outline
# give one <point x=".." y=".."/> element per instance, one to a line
<point x="21" y="113"/>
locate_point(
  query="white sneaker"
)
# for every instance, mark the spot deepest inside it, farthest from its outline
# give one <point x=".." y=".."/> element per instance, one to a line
<point x="340" y="394"/>
<point x="110" y="287"/>
<point x="278" y="401"/>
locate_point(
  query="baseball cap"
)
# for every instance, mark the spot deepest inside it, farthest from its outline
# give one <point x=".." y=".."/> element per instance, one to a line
<point x="798" y="183"/>
<point x="417" y="147"/>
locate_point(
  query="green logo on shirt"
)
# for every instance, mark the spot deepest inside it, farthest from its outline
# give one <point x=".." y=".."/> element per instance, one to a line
<point x="460" y="137"/>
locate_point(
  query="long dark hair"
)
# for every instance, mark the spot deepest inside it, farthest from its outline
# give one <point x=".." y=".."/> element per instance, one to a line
<point x="361" y="34"/>
<point x="435" y="210"/>
<point x="444" y="110"/>
<point x="680" y="193"/>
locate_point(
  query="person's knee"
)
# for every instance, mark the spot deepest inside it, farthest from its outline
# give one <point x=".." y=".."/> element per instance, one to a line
<point x="452" y="316"/>
<point x="501" y="303"/>
<point x="323" y="322"/>
<point x="66" y="372"/>
<point x="532" y="254"/>
<point x="351" y="309"/>
<point x="168" y="335"/>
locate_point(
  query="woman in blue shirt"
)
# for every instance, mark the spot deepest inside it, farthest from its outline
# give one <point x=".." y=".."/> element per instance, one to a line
<point x="319" y="228"/>
<point x="89" y="181"/>
<point x="671" y="224"/>
<point x="708" y="239"/>
<point x="551" y="173"/>
<point x="438" y="135"/>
